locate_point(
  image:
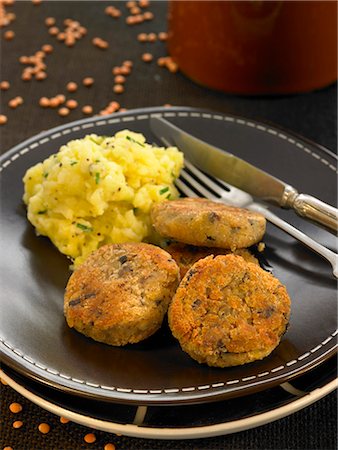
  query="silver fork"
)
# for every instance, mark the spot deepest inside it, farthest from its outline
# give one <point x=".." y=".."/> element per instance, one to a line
<point x="194" y="183"/>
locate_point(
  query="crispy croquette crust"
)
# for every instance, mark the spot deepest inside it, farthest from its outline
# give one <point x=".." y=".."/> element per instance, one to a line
<point x="121" y="293"/>
<point x="227" y="311"/>
<point x="202" y="222"/>
<point x="186" y="255"/>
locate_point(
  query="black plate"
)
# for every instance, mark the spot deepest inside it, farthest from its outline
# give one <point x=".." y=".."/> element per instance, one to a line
<point x="36" y="341"/>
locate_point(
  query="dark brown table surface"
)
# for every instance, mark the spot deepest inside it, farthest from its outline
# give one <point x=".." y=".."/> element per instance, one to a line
<point x="312" y="115"/>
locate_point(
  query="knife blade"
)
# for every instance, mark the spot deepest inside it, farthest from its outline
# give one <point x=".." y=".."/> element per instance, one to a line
<point x="243" y="175"/>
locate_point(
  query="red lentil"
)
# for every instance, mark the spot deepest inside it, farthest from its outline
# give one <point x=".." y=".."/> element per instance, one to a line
<point x="125" y="70"/>
<point x="15" y="407"/>
<point x="90" y="438"/>
<point x="53" y="31"/>
<point x="163" y="36"/>
<point x="44" y="102"/>
<point x="50" y="21"/>
<point x="64" y="420"/>
<point x="1" y="380"/>
<point x="9" y="35"/>
<point x="3" y="120"/>
<point x="109" y="446"/>
<point x="152" y="37"/>
<point x="71" y="104"/>
<point x="4" y="85"/>
<point x="100" y="43"/>
<point x="118" y="88"/>
<point x="8" y="448"/>
<point x="144" y="3"/>
<point x="47" y="48"/>
<point x="63" y="112"/>
<point x="17" y="424"/>
<point x="61" y="98"/>
<point x="119" y="79"/>
<point x="87" y="109"/>
<point x="147" y="57"/>
<point x="44" y="428"/>
<point x="148" y="15"/>
<point x="131" y="4"/>
<point x="54" y="102"/>
<point x="71" y="86"/>
<point x="40" y="75"/>
<point x="88" y="81"/>
<point x="142" y="37"/>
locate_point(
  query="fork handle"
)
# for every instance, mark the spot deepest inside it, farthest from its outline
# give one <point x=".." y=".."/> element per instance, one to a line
<point x="300" y="236"/>
<point x="311" y="208"/>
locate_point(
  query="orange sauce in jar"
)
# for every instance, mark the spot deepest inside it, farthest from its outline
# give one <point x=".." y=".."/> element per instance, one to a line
<point x="257" y="46"/>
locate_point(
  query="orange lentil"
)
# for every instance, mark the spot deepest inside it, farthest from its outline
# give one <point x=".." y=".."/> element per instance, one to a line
<point x="130" y="20"/>
<point x="54" y="102"/>
<point x="135" y="10"/>
<point x="118" y="88"/>
<point x="127" y="63"/>
<point x="36" y="2"/>
<point x="17" y="424"/>
<point x="152" y="37"/>
<point x="87" y="109"/>
<point x="148" y="15"/>
<point x="40" y="76"/>
<point x="4" y="85"/>
<point x="71" y="104"/>
<point x="63" y="112"/>
<point x="90" y="438"/>
<point x="88" y="81"/>
<point x="3" y="120"/>
<point x="109" y="446"/>
<point x="1" y="380"/>
<point x="44" y="428"/>
<point x="19" y="100"/>
<point x="26" y="76"/>
<point x="71" y="86"/>
<point x="100" y="43"/>
<point x="161" y="61"/>
<point x="131" y="4"/>
<point x="147" y="57"/>
<point x="115" y="105"/>
<point x="47" y="48"/>
<point x="64" y="420"/>
<point x="109" y="9"/>
<point x="13" y="103"/>
<point x="116" y="13"/>
<point x="119" y="79"/>
<point x="116" y="70"/>
<point x="9" y="35"/>
<point x="44" y="102"/>
<point x="61" y="36"/>
<point x="142" y="37"/>
<point x="144" y="3"/>
<point x="50" y="21"/>
<point x="53" y="31"/>
<point x="8" y="448"/>
<point x="163" y="36"/>
<point x="124" y="70"/>
<point x="15" y="407"/>
<point x="138" y="18"/>
<point x="123" y="109"/>
<point x="61" y="98"/>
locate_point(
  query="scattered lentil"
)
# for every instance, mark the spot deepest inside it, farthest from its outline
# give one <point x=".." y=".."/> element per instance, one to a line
<point x="44" y="102"/>
<point x="64" y="420"/>
<point x="15" y="407"/>
<point x="61" y="98"/>
<point x="148" y="15"/>
<point x="87" y="109"/>
<point x="71" y="86"/>
<point x="109" y="446"/>
<point x="147" y="57"/>
<point x="90" y="438"/>
<point x="53" y="31"/>
<point x="47" y="48"/>
<point x="63" y="112"/>
<point x="71" y="104"/>
<point x="118" y="88"/>
<point x="144" y="3"/>
<point x="119" y="79"/>
<point x="3" y="120"/>
<point x="50" y="21"/>
<point x="54" y="102"/>
<point x="17" y="424"/>
<point x="2" y="381"/>
<point x="4" y="85"/>
<point x="9" y="35"/>
<point x="8" y="448"/>
<point x="44" y="428"/>
<point x="162" y="35"/>
<point x="15" y="102"/>
<point x="142" y="37"/>
<point x="100" y="43"/>
<point x="88" y="81"/>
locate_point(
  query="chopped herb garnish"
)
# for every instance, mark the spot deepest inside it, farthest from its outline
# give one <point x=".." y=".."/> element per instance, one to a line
<point x="45" y="175"/>
<point x="168" y="196"/>
<point x="134" y="140"/>
<point x="97" y="178"/>
<point x="42" y="211"/>
<point x="164" y="190"/>
<point x="73" y="162"/>
<point x="84" y="227"/>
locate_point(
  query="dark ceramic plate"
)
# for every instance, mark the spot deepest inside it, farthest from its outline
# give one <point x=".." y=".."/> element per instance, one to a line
<point x="182" y="421"/>
<point x="36" y="341"/>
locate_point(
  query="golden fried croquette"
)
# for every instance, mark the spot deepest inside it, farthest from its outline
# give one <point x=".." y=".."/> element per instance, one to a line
<point x="121" y="293"/>
<point x="186" y="255"/>
<point x="202" y="222"/>
<point x="228" y="312"/>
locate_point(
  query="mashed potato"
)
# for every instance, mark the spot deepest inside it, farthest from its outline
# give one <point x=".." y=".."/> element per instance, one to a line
<point x="99" y="190"/>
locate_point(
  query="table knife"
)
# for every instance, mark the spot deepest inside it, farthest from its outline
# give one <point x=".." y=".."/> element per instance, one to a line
<point x="243" y="175"/>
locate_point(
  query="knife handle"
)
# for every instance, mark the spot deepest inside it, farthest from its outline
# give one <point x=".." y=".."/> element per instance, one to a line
<point x="316" y="210"/>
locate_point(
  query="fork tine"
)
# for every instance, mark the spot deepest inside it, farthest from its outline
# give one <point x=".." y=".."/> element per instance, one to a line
<point x="196" y="185"/>
<point x="206" y="180"/>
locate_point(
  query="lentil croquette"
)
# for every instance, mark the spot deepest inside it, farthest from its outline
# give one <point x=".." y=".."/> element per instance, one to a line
<point x="202" y="222"/>
<point x="228" y="312"/>
<point x="186" y="255"/>
<point x="121" y="293"/>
